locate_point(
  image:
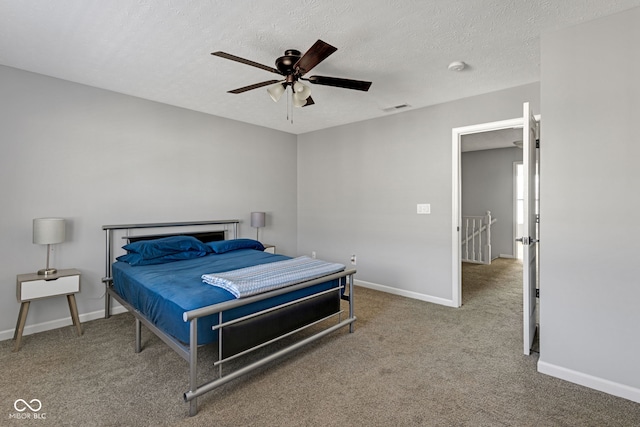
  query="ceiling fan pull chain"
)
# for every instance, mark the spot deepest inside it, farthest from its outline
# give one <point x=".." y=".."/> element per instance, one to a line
<point x="289" y="107"/>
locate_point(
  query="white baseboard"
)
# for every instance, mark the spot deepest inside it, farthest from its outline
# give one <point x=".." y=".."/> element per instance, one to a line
<point x="403" y="293"/>
<point x="60" y="323"/>
<point x="506" y="256"/>
<point x="596" y="383"/>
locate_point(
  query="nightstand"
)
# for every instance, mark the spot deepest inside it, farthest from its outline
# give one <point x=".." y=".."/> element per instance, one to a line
<point x="269" y="248"/>
<point x="33" y="286"/>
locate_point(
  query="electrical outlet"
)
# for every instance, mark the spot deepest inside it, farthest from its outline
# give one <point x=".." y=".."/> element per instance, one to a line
<point x="353" y="259"/>
<point x="313" y="254"/>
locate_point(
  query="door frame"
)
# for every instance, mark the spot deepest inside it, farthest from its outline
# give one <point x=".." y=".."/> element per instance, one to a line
<point x="530" y="233"/>
<point x="515" y="208"/>
<point x="456" y="220"/>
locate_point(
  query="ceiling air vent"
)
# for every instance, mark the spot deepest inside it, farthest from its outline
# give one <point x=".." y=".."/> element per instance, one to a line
<point x="396" y="108"/>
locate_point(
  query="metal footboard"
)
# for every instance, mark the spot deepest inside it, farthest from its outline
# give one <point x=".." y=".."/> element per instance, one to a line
<point x="196" y="390"/>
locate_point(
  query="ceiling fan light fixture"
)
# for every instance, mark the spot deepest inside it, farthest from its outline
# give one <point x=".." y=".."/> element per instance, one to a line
<point x="298" y="100"/>
<point x="301" y="90"/>
<point x="276" y="91"/>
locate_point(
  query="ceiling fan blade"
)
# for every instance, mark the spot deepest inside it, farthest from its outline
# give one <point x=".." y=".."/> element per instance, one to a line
<point x="309" y="102"/>
<point x="315" y="55"/>
<point x="338" y="82"/>
<point x="245" y="61"/>
<point x="254" y="86"/>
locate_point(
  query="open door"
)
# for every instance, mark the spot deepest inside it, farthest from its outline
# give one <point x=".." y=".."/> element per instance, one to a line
<point x="529" y="238"/>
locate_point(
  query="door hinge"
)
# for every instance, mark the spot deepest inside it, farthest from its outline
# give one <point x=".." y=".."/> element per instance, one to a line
<point x="538" y="143"/>
<point x="537" y="218"/>
<point x="537" y="292"/>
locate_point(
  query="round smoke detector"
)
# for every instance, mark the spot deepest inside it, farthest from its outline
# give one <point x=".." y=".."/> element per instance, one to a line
<point x="457" y="66"/>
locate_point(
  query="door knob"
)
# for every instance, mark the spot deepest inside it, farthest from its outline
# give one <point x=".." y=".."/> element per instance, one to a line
<point x="527" y="240"/>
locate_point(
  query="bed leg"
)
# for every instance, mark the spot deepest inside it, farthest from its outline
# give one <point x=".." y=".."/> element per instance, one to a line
<point x="107" y="269"/>
<point x="193" y="407"/>
<point x="107" y="301"/>
<point x="351" y="302"/>
<point x="193" y="364"/>
<point x="138" y="336"/>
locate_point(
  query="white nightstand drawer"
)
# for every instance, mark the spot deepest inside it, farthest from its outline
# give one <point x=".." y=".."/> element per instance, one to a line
<point x="45" y="288"/>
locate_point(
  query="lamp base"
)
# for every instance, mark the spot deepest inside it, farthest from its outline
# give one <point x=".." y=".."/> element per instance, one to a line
<point x="47" y="272"/>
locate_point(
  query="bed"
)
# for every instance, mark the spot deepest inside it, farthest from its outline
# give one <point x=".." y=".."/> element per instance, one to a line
<point x="162" y="277"/>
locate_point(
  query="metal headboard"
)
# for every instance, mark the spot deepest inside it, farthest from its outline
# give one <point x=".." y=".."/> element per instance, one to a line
<point x="109" y="230"/>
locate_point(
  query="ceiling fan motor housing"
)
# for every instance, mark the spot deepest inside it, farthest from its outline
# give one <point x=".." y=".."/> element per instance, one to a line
<point x="285" y="63"/>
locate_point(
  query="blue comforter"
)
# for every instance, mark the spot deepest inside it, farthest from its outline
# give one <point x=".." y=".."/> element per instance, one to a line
<point x="163" y="292"/>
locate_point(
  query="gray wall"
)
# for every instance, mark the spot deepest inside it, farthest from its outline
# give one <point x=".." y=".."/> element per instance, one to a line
<point x="96" y="157"/>
<point x="358" y="186"/>
<point x="487" y="185"/>
<point x="590" y="291"/>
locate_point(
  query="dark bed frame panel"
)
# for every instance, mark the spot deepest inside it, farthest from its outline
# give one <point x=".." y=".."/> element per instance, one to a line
<point x="203" y="236"/>
<point x="240" y="336"/>
<point x="250" y="333"/>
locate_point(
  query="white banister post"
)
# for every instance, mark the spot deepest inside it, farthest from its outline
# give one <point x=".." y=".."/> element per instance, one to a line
<point x="466" y="238"/>
<point x="488" y="251"/>
<point x="480" y="252"/>
<point x="473" y="240"/>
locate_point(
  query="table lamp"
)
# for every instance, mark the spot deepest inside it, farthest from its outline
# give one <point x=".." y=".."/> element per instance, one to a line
<point x="257" y="221"/>
<point x="48" y="231"/>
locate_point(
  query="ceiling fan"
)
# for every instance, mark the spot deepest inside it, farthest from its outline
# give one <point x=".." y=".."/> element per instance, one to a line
<point x="293" y="66"/>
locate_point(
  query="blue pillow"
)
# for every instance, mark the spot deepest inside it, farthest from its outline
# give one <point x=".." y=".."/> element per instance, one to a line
<point x="156" y="248"/>
<point x="222" y="246"/>
<point x="137" y="259"/>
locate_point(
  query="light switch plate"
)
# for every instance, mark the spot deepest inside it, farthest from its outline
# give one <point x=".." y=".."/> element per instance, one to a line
<point x="424" y="208"/>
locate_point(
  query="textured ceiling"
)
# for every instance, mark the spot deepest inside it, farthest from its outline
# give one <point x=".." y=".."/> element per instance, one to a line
<point x="160" y="49"/>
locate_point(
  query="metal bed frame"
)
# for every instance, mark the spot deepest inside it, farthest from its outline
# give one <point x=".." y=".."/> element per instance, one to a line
<point x="189" y="352"/>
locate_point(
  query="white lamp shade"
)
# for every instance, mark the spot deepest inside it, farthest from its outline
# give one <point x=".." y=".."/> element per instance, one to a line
<point x="276" y="91"/>
<point x="299" y="101"/>
<point x="301" y="90"/>
<point x="48" y="231"/>
<point x="257" y="219"/>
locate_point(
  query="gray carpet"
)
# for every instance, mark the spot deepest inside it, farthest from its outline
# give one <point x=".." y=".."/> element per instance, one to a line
<point x="409" y="363"/>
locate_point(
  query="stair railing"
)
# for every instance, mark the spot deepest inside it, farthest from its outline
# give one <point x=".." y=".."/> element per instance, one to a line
<point x="476" y="238"/>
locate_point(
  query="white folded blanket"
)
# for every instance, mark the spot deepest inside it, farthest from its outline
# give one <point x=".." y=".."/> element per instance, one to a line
<point x="266" y="277"/>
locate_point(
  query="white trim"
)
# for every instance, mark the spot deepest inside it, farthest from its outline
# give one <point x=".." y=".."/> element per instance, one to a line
<point x="403" y="293"/>
<point x="514" y="200"/>
<point x="61" y="323"/>
<point x="596" y="383"/>
<point x="456" y="220"/>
